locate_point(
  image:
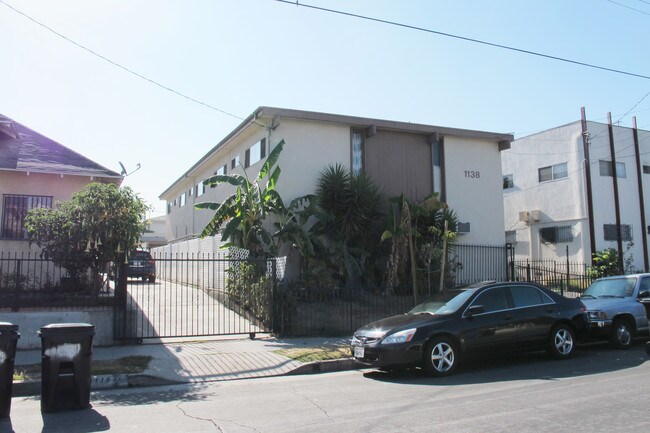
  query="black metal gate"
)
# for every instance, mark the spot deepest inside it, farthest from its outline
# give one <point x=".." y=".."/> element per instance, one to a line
<point x="196" y="295"/>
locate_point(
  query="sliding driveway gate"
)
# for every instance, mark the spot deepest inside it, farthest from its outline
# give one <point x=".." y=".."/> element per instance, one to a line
<point x="196" y="295"/>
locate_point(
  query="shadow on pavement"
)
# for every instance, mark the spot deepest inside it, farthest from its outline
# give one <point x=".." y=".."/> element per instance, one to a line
<point x="75" y="421"/>
<point x="588" y="360"/>
<point x="154" y="395"/>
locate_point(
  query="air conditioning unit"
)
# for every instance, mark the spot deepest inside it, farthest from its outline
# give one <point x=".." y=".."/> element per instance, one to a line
<point x="524" y="216"/>
<point x="462" y="228"/>
<point x="535" y="214"/>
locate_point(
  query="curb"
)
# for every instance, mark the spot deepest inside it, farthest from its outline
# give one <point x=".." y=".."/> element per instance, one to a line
<point x="32" y="387"/>
<point x="27" y="388"/>
<point x="329" y="366"/>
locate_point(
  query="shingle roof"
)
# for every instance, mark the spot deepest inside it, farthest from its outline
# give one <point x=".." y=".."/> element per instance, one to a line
<point x="23" y="149"/>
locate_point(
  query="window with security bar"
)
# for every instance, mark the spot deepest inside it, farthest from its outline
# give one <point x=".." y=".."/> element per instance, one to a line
<point x="610" y="233"/>
<point x="14" y="211"/>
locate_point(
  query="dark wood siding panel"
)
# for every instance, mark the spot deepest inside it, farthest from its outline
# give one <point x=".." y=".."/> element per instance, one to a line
<point x="400" y="162"/>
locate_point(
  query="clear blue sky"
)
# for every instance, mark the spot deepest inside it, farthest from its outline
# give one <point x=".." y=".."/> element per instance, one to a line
<point x="239" y="54"/>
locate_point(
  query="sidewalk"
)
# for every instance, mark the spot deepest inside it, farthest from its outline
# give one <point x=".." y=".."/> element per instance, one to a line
<point x="200" y="361"/>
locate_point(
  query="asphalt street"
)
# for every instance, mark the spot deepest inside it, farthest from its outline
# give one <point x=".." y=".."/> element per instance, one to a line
<point x="600" y="389"/>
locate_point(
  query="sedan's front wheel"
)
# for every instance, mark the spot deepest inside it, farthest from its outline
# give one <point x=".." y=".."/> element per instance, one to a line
<point x="441" y="356"/>
<point x="561" y="344"/>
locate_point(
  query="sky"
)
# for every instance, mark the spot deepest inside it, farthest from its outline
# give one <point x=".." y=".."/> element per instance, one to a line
<point x="158" y="83"/>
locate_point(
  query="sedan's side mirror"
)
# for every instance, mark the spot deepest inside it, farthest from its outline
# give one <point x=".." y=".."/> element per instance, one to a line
<point x="644" y="294"/>
<point x="475" y="309"/>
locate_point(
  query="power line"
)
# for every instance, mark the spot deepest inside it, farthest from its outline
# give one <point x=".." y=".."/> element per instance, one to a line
<point x="629" y="7"/>
<point x="124" y="68"/>
<point x="635" y="105"/>
<point x="463" y="38"/>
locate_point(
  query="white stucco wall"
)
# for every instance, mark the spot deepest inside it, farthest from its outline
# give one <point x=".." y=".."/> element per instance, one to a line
<point x="473" y="185"/>
<point x="563" y="202"/>
<point x="29" y="323"/>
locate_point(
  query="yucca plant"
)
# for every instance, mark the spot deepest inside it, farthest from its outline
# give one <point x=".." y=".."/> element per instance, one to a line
<point x="348" y="207"/>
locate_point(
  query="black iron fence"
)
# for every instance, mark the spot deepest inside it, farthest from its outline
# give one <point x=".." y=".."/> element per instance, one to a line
<point x="199" y="295"/>
<point x="471" y="263"/>
<point x="330" y="312"/>
<point x="28" y="281"/>
<point x="212" y="294"/>
<point x="567" y="278"/>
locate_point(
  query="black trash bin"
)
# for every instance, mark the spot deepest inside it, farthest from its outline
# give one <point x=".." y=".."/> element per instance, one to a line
<point x="8" y="338"/>
<point x="65" y="369"/>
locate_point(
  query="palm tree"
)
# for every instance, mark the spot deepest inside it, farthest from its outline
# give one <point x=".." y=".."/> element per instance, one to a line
<point x="411" y="222"/>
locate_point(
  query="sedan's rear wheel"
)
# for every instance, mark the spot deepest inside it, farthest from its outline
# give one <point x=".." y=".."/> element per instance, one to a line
<point x="622" y="334"/>
<point x="441" y="356"/>
<point x="561" y="344"/>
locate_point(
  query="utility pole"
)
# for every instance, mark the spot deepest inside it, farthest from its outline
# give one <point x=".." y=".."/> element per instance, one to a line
<point x="590" y="200"/>
<point x="617" y="204"/>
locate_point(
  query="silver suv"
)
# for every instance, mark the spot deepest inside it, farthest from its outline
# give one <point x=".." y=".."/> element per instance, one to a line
<point x="618" y="307"/>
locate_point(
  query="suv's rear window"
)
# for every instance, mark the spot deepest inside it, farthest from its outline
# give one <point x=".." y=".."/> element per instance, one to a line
<point x="141" y="255"/>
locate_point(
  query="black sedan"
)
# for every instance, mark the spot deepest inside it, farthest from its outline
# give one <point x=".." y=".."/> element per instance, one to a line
<point x="483" y="318"/>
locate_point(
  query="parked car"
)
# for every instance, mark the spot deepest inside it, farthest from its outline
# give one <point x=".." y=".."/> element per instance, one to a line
<point x="483" y="318"/>
<point x="141" y="265"/>
<point x="618" y="308"/>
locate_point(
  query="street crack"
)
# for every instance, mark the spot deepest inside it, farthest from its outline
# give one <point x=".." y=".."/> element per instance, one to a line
<point x="214" y="421"/>
<point x="210" y="420"/>
<point x="295" y="391"/>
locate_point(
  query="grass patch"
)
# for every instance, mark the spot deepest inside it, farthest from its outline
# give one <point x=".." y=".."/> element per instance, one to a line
<point x="126" y="365"/>
<point x="311" y="354"/>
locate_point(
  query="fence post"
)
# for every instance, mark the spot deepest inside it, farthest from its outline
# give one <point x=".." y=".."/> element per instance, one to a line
<point x="274" y="287"/>
<point x="567" y="268"/>
<point x="119" y="308"/>
<point x="528" y="271"/>
<point x="510" y="262"/>
<point x="17" y="286"/>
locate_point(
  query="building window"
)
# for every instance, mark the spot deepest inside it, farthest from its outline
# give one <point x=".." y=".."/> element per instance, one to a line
<point x="191" y="190"/>
<point x="508" y="181"/>
<point x="553" y="172"/>
<point x="183" y="199"/>
<point x="610" y="232"/>
<point x="554" y="235"/>
<point x="14" y="210"/>
<point x="235" y="162"/>
<point x="511" y="236"/>
<point x="357" y="152"/>
<point x="200" y="189"/>
<point x="255" y="153"/>
<point x="606" y="169"/>
<point x="646" y="169"/>
<point x="169" y="208"/>
<point x="223" y="170"/>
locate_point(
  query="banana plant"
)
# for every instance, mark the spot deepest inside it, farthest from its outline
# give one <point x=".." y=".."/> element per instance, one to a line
<point x="240" y="217"/>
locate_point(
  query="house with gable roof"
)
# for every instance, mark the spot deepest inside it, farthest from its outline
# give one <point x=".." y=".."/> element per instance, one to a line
<point x="36" y="171"/>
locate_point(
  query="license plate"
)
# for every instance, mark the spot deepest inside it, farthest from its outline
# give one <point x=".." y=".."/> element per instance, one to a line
<point x="359" y="352"/>
<point x="137" y="263"/>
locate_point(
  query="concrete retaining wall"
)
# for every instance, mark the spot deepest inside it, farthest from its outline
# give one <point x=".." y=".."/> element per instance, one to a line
<point x="30" y="322"/>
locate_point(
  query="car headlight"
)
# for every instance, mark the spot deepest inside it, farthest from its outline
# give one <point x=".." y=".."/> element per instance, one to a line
<point x="596" y="315"/>
<point x="400" y="337"/>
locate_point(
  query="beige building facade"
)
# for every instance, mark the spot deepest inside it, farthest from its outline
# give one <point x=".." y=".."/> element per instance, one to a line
<point x="463" y="166"/>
